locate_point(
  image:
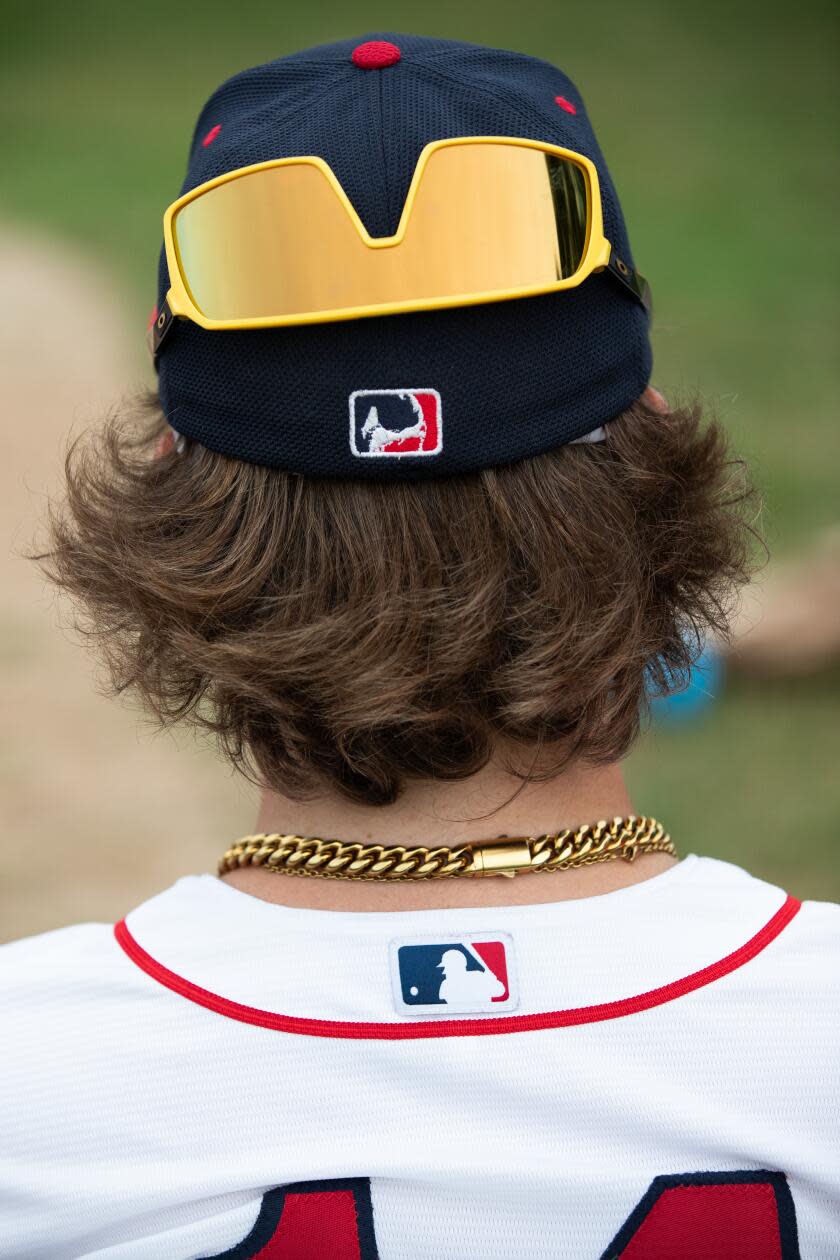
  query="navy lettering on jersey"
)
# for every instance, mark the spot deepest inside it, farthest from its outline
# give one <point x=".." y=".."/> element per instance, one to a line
<point x="729" y="1215"/>
<point x="308" y="1220"/>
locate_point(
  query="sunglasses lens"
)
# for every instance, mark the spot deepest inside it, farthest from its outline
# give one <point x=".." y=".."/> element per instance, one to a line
<point x="485" y="220"/>
<point x="273" y="242"/>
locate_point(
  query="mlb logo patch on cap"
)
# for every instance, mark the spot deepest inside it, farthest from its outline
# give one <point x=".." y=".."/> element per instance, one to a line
<point x="395" y="423"/>
<point x="473" y="973"/>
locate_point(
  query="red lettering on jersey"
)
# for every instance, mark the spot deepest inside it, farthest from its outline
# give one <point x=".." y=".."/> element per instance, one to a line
<point x="321" y="1223"/>
<point x="311" y="1220"/>
<point x="693" y="1216"/>
<point x="695" y="1222"/>
<point x="684" y="1216"/>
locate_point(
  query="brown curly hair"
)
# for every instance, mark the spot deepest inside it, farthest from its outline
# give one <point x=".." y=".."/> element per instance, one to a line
<point x="359" y="635"/>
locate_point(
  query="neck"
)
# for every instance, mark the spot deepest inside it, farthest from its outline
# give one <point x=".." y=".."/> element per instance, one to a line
<point x="436" y="813"/>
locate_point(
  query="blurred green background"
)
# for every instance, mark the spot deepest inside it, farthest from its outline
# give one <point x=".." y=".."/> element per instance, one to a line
<point x="719" y="123"/>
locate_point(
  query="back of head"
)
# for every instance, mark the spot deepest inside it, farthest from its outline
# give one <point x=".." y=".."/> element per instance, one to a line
<point x="382" y="549"/>
<point x="357" y="635"/>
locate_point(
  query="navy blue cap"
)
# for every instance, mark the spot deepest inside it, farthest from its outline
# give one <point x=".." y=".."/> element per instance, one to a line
<point x="418" y="394"/>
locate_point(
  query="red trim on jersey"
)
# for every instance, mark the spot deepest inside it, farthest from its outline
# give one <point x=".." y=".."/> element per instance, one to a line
<point x="457" y="1027"/>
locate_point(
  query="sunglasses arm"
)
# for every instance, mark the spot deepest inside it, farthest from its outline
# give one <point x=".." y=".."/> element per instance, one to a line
<point x="160" y="329"/>
<point x="632" y="280"/>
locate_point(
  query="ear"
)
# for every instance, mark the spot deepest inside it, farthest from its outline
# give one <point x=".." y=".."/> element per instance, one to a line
<point x="657" y="401"/>
<point x="165" y="444"/>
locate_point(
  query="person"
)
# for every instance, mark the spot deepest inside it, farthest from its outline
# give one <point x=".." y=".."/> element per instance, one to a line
<point x="460" y="983"/>
<point x="407" y="527"/>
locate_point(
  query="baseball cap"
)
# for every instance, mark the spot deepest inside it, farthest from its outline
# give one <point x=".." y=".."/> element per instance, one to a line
<point x="417" y="394"/>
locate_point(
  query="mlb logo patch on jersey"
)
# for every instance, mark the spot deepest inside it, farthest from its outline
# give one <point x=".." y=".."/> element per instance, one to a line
<point x="472" y="973"/>
<point x="395" y="423"/>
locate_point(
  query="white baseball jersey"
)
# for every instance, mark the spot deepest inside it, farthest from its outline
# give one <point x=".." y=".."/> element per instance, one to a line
<point x="650" y="1074"/>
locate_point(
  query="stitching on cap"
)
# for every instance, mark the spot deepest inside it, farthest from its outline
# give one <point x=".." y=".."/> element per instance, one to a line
<point x="522" y="104"/>
<point x="258" y="115"/>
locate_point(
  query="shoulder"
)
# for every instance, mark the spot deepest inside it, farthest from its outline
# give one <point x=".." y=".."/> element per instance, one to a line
<point x="798" y="939"/>
<point x="61" y="991"/>
<point x="62" y="994"/>
<point x="729" y="893"/>
<point x="76" y="1015"/>
<point x="809" y="947"/>
<point x="785" y="990"/>
<point x="819" y="923"/>
<point x="17" y="958"/>
<point x="79" y="966"/>
<point x="54" y="964"/>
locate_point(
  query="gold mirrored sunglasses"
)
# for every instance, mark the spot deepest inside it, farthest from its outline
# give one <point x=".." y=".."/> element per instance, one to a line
<point x="486" y="219"/>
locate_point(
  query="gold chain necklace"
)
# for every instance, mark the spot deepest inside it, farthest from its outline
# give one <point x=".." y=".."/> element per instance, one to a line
<point x="504" y="855"/>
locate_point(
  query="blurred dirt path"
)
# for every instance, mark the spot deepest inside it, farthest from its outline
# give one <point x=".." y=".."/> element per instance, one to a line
<point x="96" y="811"/>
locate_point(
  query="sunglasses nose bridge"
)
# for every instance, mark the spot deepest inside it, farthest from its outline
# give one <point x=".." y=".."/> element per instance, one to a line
<point x="379" y="221"/>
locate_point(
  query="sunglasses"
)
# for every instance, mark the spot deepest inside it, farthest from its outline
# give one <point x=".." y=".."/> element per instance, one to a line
<point x="486" y="219"/>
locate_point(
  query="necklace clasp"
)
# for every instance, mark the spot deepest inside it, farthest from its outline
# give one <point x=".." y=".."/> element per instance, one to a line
<point x="503" y="856"/>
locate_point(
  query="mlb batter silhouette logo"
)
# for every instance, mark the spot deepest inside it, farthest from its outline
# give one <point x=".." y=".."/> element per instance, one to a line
<point x="389" y="423"/>
<point x="471" y="973"/>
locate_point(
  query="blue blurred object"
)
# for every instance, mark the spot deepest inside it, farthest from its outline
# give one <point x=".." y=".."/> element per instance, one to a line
<point x="686" y="702"/>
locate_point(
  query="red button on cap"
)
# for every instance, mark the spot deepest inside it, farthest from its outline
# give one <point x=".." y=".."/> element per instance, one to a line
<point x="375" y="55"/>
